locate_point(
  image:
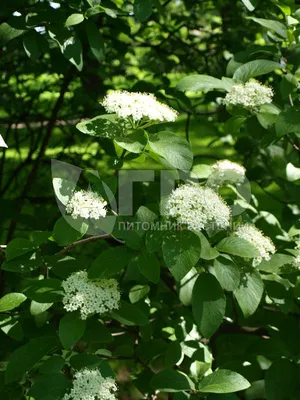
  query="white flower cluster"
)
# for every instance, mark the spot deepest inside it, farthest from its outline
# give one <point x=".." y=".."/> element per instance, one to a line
<point x="86" y="204"/>
<point x="263" y="244"/>
<point x="90" y="297"/>
<point x="297" y="257"/>
<point x="138" y="106"/>
<point x="226" y="171"/>
<point x="91" y="385"/>
<point x="227" y="165"/>
<point x="250" y="95"/>
<point x="197" y="207"/>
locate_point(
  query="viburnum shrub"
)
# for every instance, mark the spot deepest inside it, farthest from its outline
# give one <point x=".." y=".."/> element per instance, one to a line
<point x="167" y="279"/>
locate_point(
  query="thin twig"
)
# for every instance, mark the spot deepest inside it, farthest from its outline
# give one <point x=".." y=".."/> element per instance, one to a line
<point x="55" y="112"/>
<point x="187" y="127"/>
<point x="292" y="143"/>
<point x="87" y="240"/>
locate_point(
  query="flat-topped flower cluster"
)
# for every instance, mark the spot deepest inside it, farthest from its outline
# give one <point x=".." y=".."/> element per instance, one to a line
<point x="262" y="243"/>
<point x="86" y="204"/>
<point x="225" y="171"/>
<point x="227" y="165"/>
<point x="252" y="94"/>
<point x="196" y="207"/>
<point x="90" y="297"/>
<point x="91" y="385"/>
<point x="138" y="106"/>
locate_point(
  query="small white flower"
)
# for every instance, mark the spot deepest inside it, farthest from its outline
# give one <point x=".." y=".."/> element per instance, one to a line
<point x="250" y="95"/>
<point x="86" y="204"/>
<point x="138" y="106"/>
<point x="263" y="244"/>
<point x="90" y="297"/>
<point x="226" y="171"/>
<point x="91" y="385"/>
<point x="197" y="207"/>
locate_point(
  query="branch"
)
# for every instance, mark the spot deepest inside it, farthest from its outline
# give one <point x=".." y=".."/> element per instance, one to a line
<point x="292" y="143"/>
<point x="64" y="87"/>
<point x="87" y="240"/>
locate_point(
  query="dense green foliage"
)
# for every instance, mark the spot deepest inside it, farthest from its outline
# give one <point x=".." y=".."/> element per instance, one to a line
<point x="198" y="319"/>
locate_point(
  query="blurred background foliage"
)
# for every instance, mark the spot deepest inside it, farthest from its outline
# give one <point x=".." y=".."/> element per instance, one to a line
<point x="58" y="60"/>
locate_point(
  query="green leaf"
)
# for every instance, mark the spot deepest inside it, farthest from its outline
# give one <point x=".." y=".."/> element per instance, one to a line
<point x="138" y="292"/>
<point x="26" y="357"/>
<point x="174" y="149"/>
<point x="223" y="381"/>
<point x="63" y="189"/>
<point x="282" y="380"/>
<point x="275" y="263"/>
<point x="181" y="251"/>
<point x="71" y="329"/>
<point x="64" y="232"/>
<point x="50" y="387"/>
<point x="23" y="264"/>
<point x="135" y="142"/>
<point x="185" y="287"/>
<point x="249" y="292"/>
<point x="82" y="360"/>
<point x="248" y="4"/>
<point x="234" y="124"/>
<point x="132" y="238"/>
<point x="94" y="10"/>
<point x="53" y="365"/>
<point x="142" y="9"/>
<point x="74" y="19"/>
<point x="196" y="83"/>
<point x="288" y="121"/>
<point x="173" y="354"/>
<point x="96" y="332"/>
<point x="237" y="247"/>
<point x="96" y="41"/>
<point x="111" y="13"/>
<point x="39" y="308"/>
<point x="44" y="290"/>
<point x="158" y="5"/>
<point x="18" y="247"/>
<point x="11" y="301"/>
<point x="143" y="214"/>
<point x="227" y="273"/>
<point x="70" y="46"/>
<point x="272" y="25"/>
<point x="207" y="252"/>
<point x="110" y="262"/>
<point x="72" y="50"/>
<point x="154" y="240"/>
<point x="130" y="315"/>
<point x="149" y="266"/>
<point x="208" y="304"/>
<point x="8" y="33"/>
<point x="11" y="326"/>
<point x="31" y="44"/>
<point x="105" y="126"/>
<point x="267" y="115"/>
<point x="255" y="68"/>
<point x="171" y="381"/>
